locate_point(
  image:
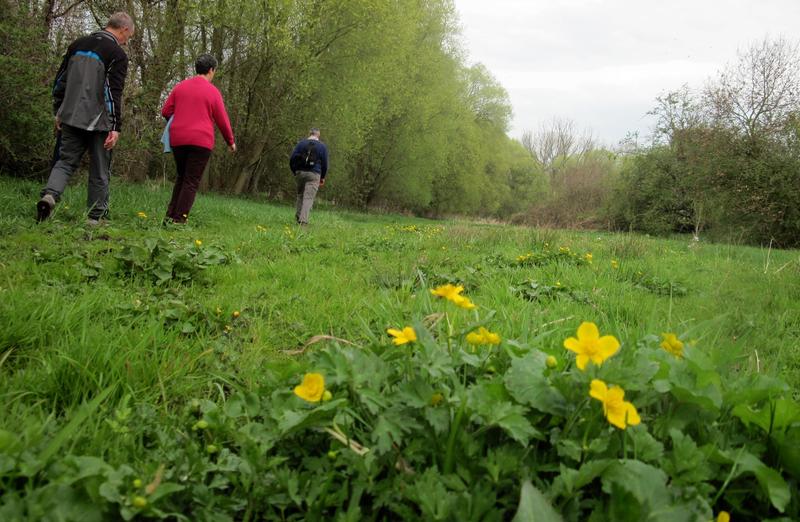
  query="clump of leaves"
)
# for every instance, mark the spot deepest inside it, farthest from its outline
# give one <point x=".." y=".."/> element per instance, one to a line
<point x="167" y="261"/>
<point x="658" y="285"/>
<point x="531" y="290"/>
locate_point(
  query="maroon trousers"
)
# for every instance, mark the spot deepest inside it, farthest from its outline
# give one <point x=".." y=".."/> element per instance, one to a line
<point x="190" y="162"/>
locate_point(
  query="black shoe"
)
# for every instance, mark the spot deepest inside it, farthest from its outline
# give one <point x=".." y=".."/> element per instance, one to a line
<point x="44" y="207"/>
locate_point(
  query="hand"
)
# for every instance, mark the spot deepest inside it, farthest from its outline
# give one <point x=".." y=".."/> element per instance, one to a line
<point x="322" y="182"/>
<point x="232" y="147"/>
<point x="58" y="123"/>
<point x="111" y="140"/>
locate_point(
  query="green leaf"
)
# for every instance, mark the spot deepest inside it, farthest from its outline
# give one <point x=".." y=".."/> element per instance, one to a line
<point x="533" y="506"/>
<point x="645" y="483"/>
<point x="526" y="382"/>
<point x="771" y="482"/>
<point x="647" y="448"/>
<point x="781" y="414"/>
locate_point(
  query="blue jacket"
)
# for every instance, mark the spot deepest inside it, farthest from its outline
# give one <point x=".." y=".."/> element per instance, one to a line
<point x="321" y="166"/>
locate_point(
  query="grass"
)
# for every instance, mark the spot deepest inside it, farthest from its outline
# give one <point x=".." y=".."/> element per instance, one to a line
<point x="74" y="326"/>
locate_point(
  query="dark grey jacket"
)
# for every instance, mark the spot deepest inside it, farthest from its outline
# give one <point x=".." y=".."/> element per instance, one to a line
<point x="87" y="92"/>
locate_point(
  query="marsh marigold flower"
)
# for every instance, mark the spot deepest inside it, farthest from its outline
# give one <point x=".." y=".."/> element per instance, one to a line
<point x="464" y="302"/>
<point x="312" y="388"/>
<point x="672" y="344"/>
<point x="619" y="412"/>
<point x="483" y="336"/>
<point x="724" y="516"/>
<point x="448" y="291"/>
<point x="614" y="264"/>
<point x="406" y="335"/>
<point x="198" y="243"/>
<point x="141" y="215"/>
<point x="589" y="346"/>
<point x="453" y="294"/>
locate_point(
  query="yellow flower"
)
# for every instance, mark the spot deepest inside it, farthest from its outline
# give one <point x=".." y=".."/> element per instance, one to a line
<point x="589" y="257"/>
<point x="590" y="346"/>
<point x="436" y="399"/>
<point x="724" y="516"/>
<point x="614" y="264"/>
<point x="235" y="314"/>
<point x="448" y="291"/>
<point x="406" y="335"/>
<point x="620" y="413"/>
<point x="483" y="336"/>
<point x="197" y="242"/>
<point x="312" y="389"/>
<point x="464" y="302"/>
<point x="141" y="215"/>
<point x="672" y="344"/>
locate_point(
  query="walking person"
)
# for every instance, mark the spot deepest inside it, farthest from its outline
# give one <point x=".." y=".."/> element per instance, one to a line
<point x="195" y="106"/>
<point x="309" y="164"/>
<point x="87" y="101"/>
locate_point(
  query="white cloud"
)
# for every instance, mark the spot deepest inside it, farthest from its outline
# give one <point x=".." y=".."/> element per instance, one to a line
<point x="602" y="63"/>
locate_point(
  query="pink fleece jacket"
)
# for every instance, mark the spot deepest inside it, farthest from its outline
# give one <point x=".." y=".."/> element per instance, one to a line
<point x="196" y="105"/>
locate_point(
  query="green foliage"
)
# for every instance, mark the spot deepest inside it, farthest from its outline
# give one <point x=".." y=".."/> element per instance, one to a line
<point x="25" y="119"/>
<point x="146" y="397"/>
<point x="163" y="261"/>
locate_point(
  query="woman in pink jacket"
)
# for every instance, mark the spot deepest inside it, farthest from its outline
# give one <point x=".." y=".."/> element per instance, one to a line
<point x="194" y="105"/>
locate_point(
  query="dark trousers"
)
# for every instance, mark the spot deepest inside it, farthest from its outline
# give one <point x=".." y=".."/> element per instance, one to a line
<point x="73" y="145"/>
<point x="190" y="162"/>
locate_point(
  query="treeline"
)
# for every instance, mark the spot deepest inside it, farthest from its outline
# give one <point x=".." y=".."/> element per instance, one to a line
<point x="410" y="125"/>
<point x="723" y="161"/>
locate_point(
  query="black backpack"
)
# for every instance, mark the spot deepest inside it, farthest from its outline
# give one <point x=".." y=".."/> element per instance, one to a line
<point x="305" y="159"/>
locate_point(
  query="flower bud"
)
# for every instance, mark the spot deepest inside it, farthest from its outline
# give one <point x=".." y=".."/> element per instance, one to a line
<point x="211" y="449"/>
<point x="137" y="483"/>
<point x="551" y="362"/>
<point x="139" y="502"/>
<point x="326" y="396"/>
<point x="200" y="425"/>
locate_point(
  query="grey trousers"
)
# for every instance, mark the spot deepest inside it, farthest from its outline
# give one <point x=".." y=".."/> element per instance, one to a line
<point x="307" y="187"/>
<point x="74" y="143"/>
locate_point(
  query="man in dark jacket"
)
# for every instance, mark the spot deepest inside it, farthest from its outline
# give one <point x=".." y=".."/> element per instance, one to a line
<point x="309" y="163"/>
<point x="87" y="101"/>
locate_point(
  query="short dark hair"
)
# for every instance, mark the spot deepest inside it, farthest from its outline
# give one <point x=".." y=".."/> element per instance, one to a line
<point x="204" y="63"/>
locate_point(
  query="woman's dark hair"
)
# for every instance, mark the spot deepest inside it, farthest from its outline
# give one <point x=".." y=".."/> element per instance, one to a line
<point x="204" y="63"/>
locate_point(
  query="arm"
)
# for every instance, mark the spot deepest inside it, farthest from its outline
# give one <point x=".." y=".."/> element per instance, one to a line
<point x="60" y="83"/>
<point x="222" y="121"/>
<point x="116" y="82"/>
<point x="169" y="106"/>
<point x="324" y="161"/>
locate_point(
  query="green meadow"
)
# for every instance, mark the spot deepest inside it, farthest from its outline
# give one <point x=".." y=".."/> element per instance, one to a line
<point x="148" y="371"/>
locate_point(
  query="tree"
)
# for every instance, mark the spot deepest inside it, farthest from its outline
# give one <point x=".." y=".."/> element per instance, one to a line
<point x="759" y="92"/>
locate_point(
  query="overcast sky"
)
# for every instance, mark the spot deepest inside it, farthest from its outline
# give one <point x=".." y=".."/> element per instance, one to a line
<point x="601" y="63"/>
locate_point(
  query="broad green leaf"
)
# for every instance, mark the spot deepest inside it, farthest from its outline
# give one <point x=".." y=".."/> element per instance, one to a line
<point x="780" y="414"/>
<point x="533" y="506"/>
<point x="526" y="382"/>
<point x="771" y="482"/>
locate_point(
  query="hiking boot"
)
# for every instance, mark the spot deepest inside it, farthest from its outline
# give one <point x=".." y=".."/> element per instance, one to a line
<point x="92" y="222"/>
<point x="44" y="207"/>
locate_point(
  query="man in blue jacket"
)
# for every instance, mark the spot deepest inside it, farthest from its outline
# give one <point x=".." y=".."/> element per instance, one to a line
<point x="309" y="163"/>
<point x="87" y="101"/>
